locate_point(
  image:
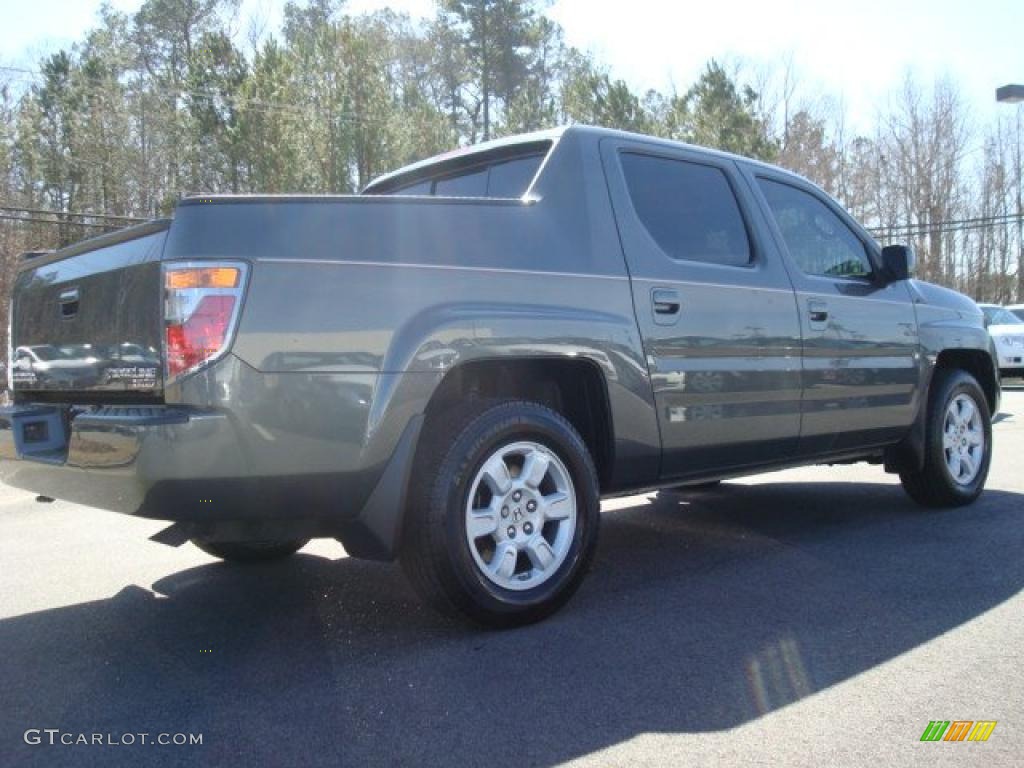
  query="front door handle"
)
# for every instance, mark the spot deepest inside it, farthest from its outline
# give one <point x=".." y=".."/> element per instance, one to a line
<point x="665" y="303"/>
<point x="817" y="312"/>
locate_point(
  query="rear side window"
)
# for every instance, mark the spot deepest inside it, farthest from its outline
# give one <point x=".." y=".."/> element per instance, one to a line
<point x="817" y="239"/>
<point x="466" y="185"/>
<point x="419" y="188"/>
<point x="688" y="208"/>
<point x="513" y="178"/>
<point x="510" y="179"/>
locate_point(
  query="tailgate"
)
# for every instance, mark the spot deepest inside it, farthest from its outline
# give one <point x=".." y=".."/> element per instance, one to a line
<point x="88" y="319"/>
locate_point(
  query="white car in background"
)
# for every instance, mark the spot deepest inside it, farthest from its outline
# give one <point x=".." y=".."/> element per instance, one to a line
<point x="1007" y="331"/>
<point x="1017" y="309"/>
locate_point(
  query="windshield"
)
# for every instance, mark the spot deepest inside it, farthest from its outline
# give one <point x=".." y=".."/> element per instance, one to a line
<point x="1000" y="316"/>
<point x="46" y="353"/>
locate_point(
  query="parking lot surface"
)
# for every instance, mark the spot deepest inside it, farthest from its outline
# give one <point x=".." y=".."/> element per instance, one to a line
<point x="808" y="617"/>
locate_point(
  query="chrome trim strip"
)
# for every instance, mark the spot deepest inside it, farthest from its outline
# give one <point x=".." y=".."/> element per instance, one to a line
<point x="448" y="267"/>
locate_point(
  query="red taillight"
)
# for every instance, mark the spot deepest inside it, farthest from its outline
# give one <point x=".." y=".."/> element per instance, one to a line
<point x="201" y="336"/>
<point x="200" y="308"/>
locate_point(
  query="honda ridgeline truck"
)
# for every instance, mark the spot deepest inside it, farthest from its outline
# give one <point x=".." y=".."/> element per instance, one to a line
<point x="454" y="367"/>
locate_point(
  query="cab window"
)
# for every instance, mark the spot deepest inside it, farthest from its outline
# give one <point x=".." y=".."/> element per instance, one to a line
<point x="688" y="209"/>
<point x="818" y="241"/>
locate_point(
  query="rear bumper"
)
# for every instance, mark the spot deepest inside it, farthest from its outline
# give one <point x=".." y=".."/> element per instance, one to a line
<point x="121" y="458"/>
<point x="189" y="465"/>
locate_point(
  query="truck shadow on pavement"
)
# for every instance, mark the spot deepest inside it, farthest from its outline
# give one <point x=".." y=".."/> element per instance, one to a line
<point x="703" y="611"/>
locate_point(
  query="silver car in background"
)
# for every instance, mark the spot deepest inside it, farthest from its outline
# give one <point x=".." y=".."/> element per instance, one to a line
<point x="1007" y="331"/>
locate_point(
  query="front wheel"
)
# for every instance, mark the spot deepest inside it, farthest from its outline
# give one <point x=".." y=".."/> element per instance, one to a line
<point x="958" y="443"/>
<point x="503" y="513"/>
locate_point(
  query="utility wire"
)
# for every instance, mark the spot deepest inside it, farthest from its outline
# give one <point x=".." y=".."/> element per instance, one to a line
<point x="1013" y="217"/>
<point x="31" y="220"/>
<point x="237" y="100"/>
<point x="940" y="229"/>
<point x="34" y="219"/>
<point x="947" y="226"/>
<point x="18" y="209"/>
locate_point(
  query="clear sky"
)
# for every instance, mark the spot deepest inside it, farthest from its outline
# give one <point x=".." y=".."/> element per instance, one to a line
<point x="860" y="49"/>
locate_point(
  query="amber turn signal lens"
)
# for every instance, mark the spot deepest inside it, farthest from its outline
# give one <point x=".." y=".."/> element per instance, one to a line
<point x="205" y="277"/>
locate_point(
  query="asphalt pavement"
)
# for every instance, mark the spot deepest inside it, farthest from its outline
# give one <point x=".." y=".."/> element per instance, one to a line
<point x="808" y="617"/>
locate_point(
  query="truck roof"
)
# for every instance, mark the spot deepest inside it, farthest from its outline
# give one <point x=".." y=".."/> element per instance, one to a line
<point x="466" y="155"/>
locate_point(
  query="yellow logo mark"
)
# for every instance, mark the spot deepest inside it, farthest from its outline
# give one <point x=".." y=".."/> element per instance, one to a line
<point x="982" y="730"/>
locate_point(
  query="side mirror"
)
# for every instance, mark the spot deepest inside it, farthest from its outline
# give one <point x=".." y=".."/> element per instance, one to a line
<point x="898" y="262"/>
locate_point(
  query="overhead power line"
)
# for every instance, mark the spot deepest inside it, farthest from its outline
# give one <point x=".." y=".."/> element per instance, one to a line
<point x="236" y="100"/>
<point x="73" y="214"/>
<point x="951" y="226"/>
<point x="1012" y="217"/>
<point x="32" y="220"/>
<point x="947" y="226"/>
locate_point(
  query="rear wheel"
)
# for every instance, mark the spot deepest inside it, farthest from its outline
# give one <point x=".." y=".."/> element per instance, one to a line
<point x="503" y="513"/>
<point x="958" y="443"/>
<point x="251" y="551"/>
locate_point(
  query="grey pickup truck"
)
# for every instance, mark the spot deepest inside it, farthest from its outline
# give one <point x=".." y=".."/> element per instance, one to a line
<point x="453" y="367"/>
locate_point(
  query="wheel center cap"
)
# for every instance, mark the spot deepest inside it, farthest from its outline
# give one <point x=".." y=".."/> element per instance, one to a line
<point x="521" y="510"/>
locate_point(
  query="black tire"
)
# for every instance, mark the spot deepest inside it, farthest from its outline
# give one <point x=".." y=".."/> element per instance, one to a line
<point x="435" y="554"/>
<point x="251" y="551"/>
<point x="933" y="485"/>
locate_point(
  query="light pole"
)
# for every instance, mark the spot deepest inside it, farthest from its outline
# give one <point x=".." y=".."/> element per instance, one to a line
<point x="1014" y="94"/>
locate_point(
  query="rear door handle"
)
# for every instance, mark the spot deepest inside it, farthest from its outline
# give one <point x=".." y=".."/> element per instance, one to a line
<point x="665" y="304"/>
<point x="817" y="312"/>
